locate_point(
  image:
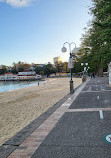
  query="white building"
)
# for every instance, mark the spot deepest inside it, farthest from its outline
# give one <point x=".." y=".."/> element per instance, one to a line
<point x="28" y="75"/>
<point x="8" y="77"/>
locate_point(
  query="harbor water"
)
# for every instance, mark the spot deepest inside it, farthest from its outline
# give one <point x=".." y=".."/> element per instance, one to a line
<point x="13" y="85"/>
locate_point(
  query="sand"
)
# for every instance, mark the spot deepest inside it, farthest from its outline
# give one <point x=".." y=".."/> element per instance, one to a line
<point x="19" y="107"/>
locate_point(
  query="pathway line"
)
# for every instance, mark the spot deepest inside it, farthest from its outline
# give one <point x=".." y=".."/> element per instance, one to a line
<point x="89" y="109"/>
<point x="101" y="114"/>
<point x="96" y="91"/>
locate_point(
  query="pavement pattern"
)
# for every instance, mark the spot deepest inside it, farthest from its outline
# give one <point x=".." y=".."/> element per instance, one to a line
<point x="79" y="128"/>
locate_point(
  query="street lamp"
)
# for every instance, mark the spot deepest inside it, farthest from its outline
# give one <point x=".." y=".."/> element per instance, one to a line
<point x="70" y="65"/>
<point x="84" y="64"/>
<point x="85" y="71"/>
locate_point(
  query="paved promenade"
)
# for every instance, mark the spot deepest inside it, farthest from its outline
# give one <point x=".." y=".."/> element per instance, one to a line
<point x="79" y="128"/>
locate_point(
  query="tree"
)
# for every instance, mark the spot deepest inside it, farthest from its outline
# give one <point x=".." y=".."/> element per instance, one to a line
<point x="3" y="69"/>
<point x="42" y="73"/>
<point x="47" y="69"/>
<point x="65" y="67"/>
<point x="97" y="38"/>
<point x="20" y="66"/>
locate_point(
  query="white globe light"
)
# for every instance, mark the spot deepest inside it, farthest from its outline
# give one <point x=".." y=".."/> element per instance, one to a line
<point x="64" y="49"/>
<point x="75" y="50"/>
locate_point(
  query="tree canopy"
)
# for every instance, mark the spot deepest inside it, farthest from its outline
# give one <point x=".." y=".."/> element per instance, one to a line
<point x="97" y="36"/>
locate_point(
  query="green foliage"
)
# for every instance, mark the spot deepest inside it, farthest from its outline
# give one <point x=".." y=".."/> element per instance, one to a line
<point x="3" y="69"/>
<point x="45" y="70"/>
<point x="42" y="73"/>
<point x="97" y="37"/>
<point x="20" y="66"/>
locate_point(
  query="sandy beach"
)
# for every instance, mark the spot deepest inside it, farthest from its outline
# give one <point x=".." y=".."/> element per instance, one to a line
<point x="19" y="107"/>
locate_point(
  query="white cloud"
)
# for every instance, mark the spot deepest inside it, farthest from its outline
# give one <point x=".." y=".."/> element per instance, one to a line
<point x="18" y="3"/>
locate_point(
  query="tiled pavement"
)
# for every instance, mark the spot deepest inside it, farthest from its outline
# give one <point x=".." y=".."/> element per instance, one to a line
<point x="31" y="144"/>
<point x="81" y="132"/>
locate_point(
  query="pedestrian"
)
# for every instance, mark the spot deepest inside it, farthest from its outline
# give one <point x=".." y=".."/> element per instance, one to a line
<point x="38" y="83"/>
<point x="91" y="75"/>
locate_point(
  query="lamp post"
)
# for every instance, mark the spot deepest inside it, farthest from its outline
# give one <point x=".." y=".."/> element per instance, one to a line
<point x="84" y="64"/>
<point x="70" y="65"/>
<point x="85" y="71"/>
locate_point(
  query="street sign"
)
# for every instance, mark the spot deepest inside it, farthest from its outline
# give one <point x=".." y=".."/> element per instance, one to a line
<point x="70" y="64"/>
<point x="108" y="138"/>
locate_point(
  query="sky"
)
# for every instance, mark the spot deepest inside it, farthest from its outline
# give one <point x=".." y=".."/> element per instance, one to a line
<point x="34" y="31"/>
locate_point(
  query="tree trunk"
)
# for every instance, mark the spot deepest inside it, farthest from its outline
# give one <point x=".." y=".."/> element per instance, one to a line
<point x="100" y="71"/>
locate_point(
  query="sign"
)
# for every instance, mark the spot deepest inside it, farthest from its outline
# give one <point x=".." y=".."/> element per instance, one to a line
<point x="70" y="64"/>
<point x="108" y="138"/>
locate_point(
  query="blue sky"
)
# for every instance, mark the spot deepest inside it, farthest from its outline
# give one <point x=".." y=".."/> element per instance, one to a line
<point x="35" y="30"/>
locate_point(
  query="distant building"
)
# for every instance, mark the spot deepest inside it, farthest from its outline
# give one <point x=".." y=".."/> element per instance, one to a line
<point x="57" y="60"/>
<point x="8" y="77"/>
<point x="21" y="76"/>
<point x="28" y="75"/>
<point x="40" y="65"/>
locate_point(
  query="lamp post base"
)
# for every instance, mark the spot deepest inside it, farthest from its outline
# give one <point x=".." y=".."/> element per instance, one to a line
<point x="71" y="87"/>
<point x="84" y="78"/>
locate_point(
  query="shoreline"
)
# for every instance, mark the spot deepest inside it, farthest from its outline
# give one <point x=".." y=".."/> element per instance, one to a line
<point x="30" y="84"/>
<point x="20" y="107"/>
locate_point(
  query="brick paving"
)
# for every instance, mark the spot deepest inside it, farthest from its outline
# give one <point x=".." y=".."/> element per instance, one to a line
<point x="30" y="145"/>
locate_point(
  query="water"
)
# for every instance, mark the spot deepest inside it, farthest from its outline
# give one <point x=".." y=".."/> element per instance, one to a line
<point x="13" y="85"/>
